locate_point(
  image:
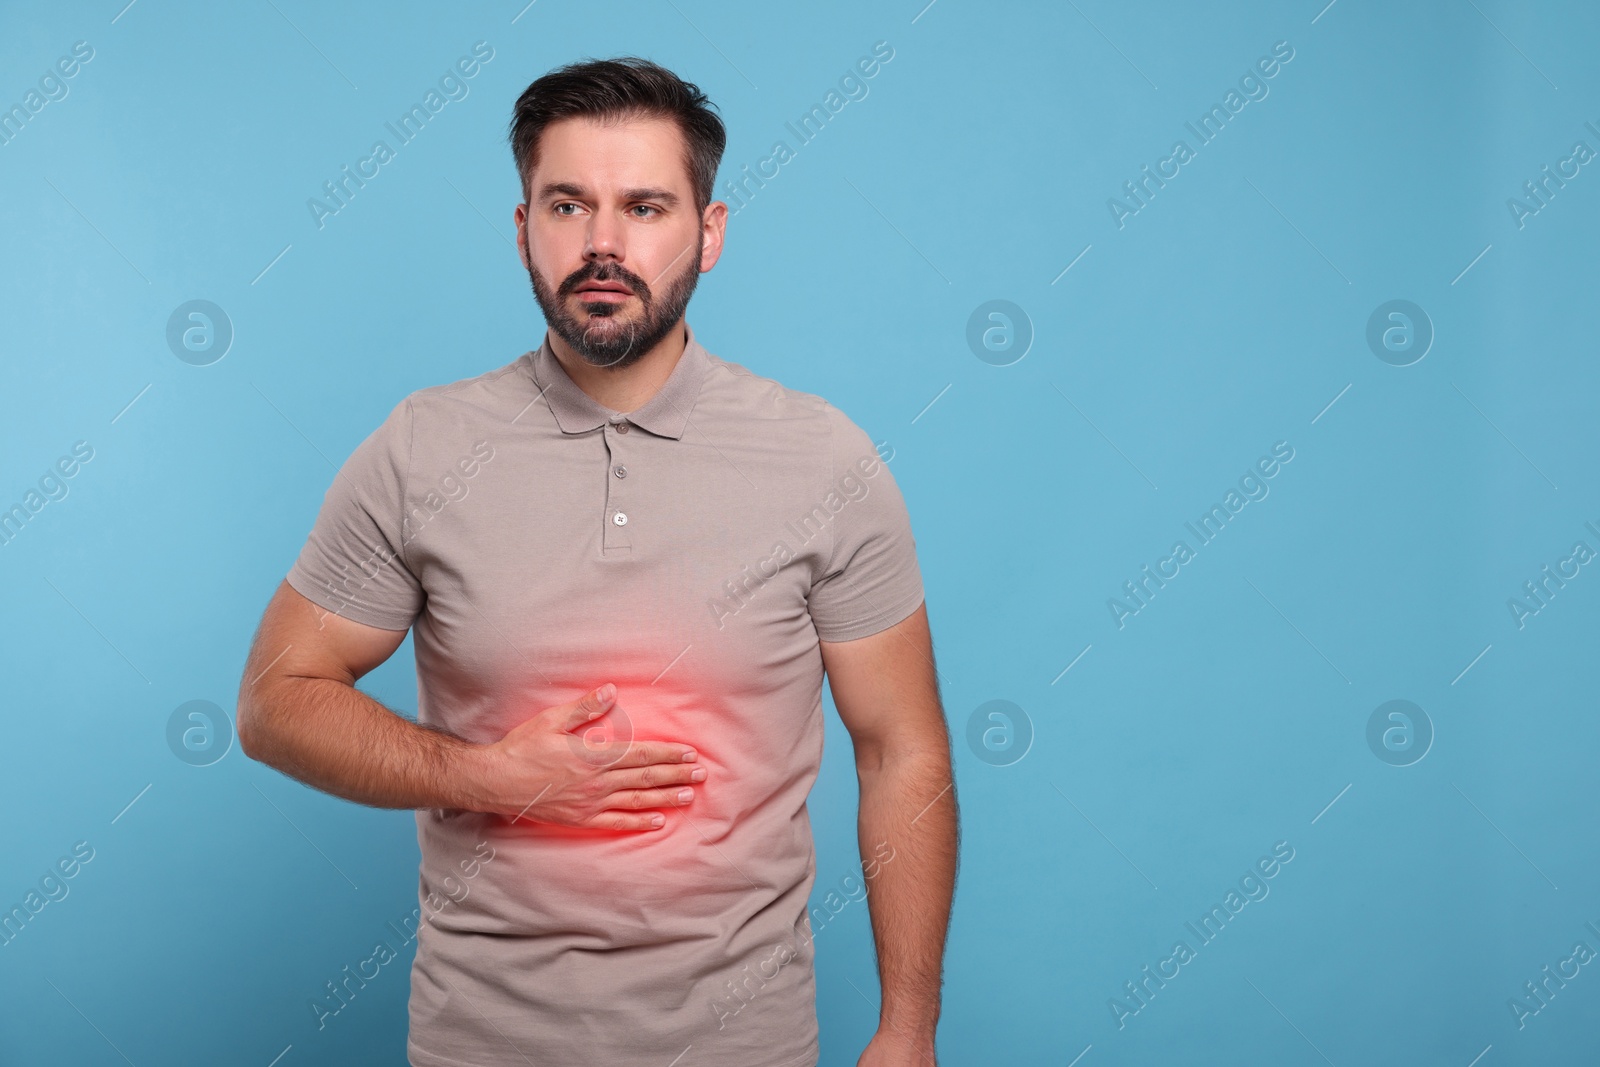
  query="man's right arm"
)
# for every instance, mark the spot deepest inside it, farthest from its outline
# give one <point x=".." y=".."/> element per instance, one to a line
<point x="299" y="711"/>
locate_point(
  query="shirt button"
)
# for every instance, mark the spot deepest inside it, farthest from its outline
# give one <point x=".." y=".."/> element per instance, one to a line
<point x="620" y="519"/>
<point x="621" y="471"/>
<point x="622" y="427"/>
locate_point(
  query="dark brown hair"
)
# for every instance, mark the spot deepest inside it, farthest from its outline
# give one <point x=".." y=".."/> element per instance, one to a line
<point x="627" y="87"/>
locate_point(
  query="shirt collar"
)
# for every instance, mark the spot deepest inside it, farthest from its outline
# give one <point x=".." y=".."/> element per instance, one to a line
<point x="666" y="413"/>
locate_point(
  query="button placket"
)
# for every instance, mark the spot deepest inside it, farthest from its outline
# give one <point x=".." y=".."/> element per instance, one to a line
<point x="614" y="534"/>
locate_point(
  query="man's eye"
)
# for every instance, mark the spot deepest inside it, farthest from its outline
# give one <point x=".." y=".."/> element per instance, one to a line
<point x="558" y="207"/>
<point x="645" y="207"/>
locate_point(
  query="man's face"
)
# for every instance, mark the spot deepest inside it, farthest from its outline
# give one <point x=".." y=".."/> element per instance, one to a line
<point x="610" y="206"/>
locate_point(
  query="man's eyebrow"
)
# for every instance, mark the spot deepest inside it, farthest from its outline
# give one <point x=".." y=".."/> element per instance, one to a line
<point x="552" y="190"/>
<point x="665" y="196"/>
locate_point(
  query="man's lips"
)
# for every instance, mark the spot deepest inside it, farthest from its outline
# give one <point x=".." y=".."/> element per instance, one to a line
<point x="605" y="291"/>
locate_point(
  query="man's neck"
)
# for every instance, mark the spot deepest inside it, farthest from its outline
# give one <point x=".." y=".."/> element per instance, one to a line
<point x="623" y="388"/>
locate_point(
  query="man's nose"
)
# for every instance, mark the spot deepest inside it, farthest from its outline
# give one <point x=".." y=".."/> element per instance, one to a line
<point x="604" y="238"/>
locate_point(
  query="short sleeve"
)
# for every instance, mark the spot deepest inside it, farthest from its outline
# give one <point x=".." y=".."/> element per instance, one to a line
<point x="353" y="562"/>
<point x="871" y="579"/>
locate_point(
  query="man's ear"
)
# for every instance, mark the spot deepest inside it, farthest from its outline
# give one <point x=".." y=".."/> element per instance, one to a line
<point x="520" y="217"/>
<point x="713" y="225"/>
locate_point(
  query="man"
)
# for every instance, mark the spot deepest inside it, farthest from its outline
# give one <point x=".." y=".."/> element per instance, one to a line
<point x="628" y="564"/>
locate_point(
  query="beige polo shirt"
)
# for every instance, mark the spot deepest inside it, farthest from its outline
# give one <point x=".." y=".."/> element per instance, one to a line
<point x="693" y="552"/>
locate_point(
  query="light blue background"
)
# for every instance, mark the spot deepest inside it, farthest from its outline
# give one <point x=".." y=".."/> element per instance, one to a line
<point x="1227" y="315"/>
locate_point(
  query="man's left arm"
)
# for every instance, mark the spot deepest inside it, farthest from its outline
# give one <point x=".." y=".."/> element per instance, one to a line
<point x="886" y="689"/>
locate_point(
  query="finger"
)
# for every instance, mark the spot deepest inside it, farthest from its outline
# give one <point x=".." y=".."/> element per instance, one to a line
<point x="654" y="775"/>
<point x="623" y="820"/>
<point x="591" y="705"/>
<point x="641" y="799"/>
<point x="621" y="754"/>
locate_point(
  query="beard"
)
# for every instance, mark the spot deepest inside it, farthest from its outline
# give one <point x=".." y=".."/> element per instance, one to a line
<point x="615" y="334"/>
